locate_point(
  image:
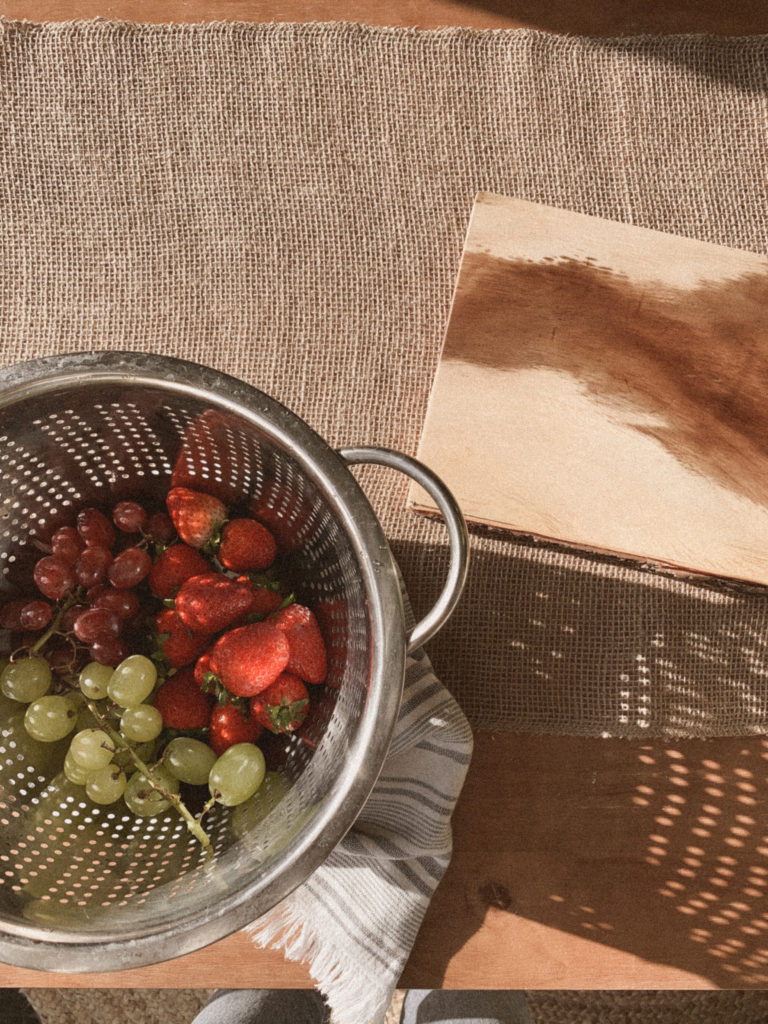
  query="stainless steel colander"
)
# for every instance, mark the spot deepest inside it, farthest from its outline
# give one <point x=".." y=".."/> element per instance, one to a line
<point x="85" y="888"/>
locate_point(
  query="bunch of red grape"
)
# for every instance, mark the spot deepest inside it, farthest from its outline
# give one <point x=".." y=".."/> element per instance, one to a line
<point x="90" y="579"/>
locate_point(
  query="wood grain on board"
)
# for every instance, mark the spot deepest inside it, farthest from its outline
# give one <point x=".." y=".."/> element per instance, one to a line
<point x="605" y="386"/>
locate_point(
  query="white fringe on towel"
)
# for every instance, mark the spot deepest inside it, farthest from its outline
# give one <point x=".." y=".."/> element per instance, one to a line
<point x="354" y="921"/>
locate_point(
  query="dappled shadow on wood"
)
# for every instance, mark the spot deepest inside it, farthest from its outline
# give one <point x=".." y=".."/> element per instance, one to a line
<point x="616" y="17"/>
<point x="622" y="797"/>
<point x="654" y="849"/>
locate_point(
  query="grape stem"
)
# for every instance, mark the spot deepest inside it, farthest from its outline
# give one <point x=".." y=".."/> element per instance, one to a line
<point x="191" y="822"/>
<point x="54" y="626"/>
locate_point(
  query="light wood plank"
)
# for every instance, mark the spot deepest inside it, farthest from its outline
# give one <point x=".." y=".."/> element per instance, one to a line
<point x="603" y="385"/>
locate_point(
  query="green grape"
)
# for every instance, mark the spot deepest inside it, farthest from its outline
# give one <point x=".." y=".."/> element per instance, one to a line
<point x="8" y="707"/>
<point x="85" y="718"/>
<point x="26" y="680"/>
<point x="92" y="748"/>
<point x="106" y="785"/>
<point x="50" y="718"/>
<point x="254" y="810"/>
<point x="141" y="723"/>
<point x="14" y="738"/>
<point x="75" y="772"/>
<point x="93" y="680"/>
<point x="237" y="774"/>
<point x="132" y="681"/>
<point x="145" y="801"/>
<point x="189" y="760"/>
<point x="144" y="751"/>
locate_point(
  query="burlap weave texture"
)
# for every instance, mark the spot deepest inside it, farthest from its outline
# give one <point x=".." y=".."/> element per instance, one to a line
<point x="288" y="203"/>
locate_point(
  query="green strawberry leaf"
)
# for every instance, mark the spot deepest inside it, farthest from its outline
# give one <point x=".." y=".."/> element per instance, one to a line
<point x="263" y="579"/>
<point x="212" y="684"/>
<point x="213" y="543"/>
<point x="283" y="714"/>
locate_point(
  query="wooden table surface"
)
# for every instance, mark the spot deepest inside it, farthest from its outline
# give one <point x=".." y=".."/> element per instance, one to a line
<point x="578" y="863"/>
<point x="609" y="17"/>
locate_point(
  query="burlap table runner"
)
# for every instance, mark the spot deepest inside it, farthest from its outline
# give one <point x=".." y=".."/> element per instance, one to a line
<point x="288" y="203"/>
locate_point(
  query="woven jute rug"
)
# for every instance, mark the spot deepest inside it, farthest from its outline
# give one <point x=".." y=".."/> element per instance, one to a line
<point x="648" y="1007"/>
<point x="159" y="1006"/>
<point x="288" y="203"/>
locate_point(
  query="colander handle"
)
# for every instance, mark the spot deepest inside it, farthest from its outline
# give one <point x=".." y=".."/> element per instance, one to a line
<point x="454" y="520"/>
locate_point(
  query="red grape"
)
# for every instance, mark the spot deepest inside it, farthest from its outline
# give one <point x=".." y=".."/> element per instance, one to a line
<point x="68" y="618"/>
<point x="160" y="528"/>
<point x="9" y="614"/>
<point x="94" y="527"/>
<point x="53" y="577"/>
<point x="121" y="600"/>
<point x="35" y="615"/>
<point x="109" y="651"/>
<point x="91" y="567"/>
<point x="97" y="624"/>
<point x="66" y="544"/>
<point x="129" y="516"/>
<point x="129" y="568"/>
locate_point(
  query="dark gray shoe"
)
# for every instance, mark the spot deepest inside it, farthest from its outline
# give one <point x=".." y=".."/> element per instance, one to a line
<point x="445" y="1006"/>
<point x="263" y="1006"/>
<point x="15" y="1008"/>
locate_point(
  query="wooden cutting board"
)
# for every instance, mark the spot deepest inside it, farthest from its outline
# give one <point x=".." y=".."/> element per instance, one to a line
<point x="606" y="386"/>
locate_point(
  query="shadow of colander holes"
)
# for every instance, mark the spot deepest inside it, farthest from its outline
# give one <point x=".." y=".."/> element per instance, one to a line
<point x="714" y="856"/>
<point x="546" y="640"/>
<point x="673" y="869"/>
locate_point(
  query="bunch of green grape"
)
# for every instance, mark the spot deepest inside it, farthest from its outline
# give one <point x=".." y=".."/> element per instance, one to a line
<point x="118" y="746"/>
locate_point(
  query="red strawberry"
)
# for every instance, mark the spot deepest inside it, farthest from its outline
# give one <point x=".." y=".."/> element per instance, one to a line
<point x="178" y="644"/>
<point x="197" y="517"/>
<point x="202" y="668"/>
<point x="248" y="659"/>
<point x="229" y="725"/>
<point x="307" y="658"/>
<point x="265" y="601"/>
<point x="175" y="565"/>
<point x="181" y="702"/>
<point x="246" y="544"/>
<point x="283" y="705"/>
<point x="212" y="601"/>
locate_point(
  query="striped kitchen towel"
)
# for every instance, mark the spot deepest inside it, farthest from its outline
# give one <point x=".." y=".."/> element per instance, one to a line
<point x="356" y="918"/>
